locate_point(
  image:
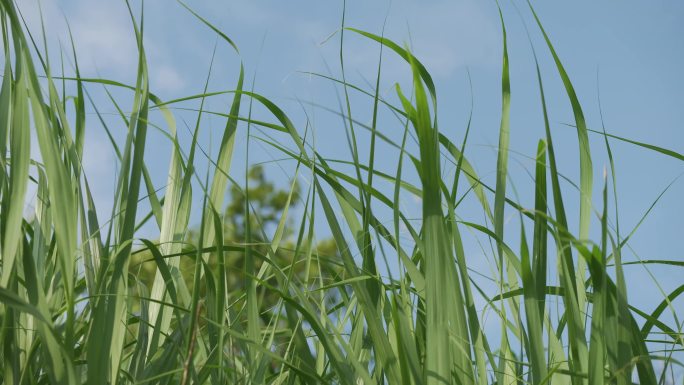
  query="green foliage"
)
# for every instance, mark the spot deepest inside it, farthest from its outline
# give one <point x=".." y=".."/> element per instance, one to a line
<point x="251" y="296"/>
<point x="268" y="204"/>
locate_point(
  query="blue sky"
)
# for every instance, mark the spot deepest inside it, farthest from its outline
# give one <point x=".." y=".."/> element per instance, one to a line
<point x="632" y="51"/>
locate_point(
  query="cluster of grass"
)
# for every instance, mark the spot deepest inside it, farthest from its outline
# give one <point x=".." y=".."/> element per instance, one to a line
<point x="73" y="311"/>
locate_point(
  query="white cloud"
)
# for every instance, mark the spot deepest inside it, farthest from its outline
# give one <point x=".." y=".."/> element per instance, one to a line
<point x="104" y="37"/>
<point x="445" y="35"/>
<point x="449" y="35"/>
<point x="250" y="13"/>
<point x="166" y="78"/>
<point x="102" y="32"/>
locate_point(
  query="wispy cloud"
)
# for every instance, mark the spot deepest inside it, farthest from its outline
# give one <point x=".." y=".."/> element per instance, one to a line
<point x="102" y="32"/>
<point x="445" y="35"/>
<point x="104" y="37"/>
<point x="166" y="78"/>
<point x="450" y="35"/>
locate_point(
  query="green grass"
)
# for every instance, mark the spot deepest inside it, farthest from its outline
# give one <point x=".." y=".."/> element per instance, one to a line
<point x="76" y="309"/>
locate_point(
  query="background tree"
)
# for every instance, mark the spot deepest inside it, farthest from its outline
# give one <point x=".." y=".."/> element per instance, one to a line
<point x="267" y="202"/>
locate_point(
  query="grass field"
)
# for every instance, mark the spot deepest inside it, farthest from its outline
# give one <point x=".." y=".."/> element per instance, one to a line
<point x="394" y="300"/>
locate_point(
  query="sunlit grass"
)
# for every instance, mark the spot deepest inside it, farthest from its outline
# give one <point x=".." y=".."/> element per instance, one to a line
<point x="375" y="308"/>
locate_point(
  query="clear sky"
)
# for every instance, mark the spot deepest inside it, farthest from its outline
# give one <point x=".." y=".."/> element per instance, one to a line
<point x="632" y="51"/>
